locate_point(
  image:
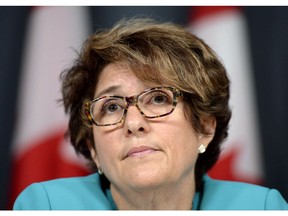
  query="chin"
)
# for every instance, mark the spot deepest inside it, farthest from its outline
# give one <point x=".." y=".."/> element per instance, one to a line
<point x="146" y="179"/>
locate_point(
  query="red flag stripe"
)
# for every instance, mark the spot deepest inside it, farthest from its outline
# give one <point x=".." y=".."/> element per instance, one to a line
<point x="200" y="12"/>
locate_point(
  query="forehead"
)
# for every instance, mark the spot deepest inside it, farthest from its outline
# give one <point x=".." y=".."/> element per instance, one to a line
<point x="117" y="75"/>
<point x="114" y="73"/>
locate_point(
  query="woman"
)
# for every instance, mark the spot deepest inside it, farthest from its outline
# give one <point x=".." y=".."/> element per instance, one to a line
<point x="148" y="105"/>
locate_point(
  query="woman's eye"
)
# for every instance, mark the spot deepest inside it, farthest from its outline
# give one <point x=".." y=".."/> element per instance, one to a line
<point x="160" y="99"/>
<point x="110" y="107"/>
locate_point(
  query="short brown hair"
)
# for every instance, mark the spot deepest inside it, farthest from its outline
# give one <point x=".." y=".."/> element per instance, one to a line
<point x="162" y="53"/>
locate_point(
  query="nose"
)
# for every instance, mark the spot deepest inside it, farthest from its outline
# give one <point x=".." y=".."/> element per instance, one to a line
<point x="135" y="123"/>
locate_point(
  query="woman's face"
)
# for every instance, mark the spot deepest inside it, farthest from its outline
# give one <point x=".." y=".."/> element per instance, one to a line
<point x="141" y="153"/>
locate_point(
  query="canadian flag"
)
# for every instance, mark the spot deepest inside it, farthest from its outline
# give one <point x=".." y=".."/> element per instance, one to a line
<point x="224" y="29"/>
<point x="40" y="150"/>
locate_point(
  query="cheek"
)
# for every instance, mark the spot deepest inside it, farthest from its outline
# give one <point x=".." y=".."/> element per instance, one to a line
<point x="183" y="140"/>
<point x="103" y="144"/>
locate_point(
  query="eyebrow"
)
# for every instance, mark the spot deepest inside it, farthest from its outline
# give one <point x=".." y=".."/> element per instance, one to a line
<point x="108" y="90"/>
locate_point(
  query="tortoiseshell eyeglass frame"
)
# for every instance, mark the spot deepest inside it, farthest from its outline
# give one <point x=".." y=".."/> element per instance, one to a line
<point x="133" y="100"/>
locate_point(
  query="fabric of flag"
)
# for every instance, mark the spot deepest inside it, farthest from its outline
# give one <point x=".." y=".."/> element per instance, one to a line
<point x="40" y="150"/>
<point x="224" y="29"/>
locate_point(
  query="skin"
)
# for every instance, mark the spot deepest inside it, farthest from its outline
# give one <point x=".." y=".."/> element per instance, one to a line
<point x="160" y="175"/>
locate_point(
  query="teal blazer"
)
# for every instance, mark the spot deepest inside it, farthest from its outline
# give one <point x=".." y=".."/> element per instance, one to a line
<point x="85" y="193"/>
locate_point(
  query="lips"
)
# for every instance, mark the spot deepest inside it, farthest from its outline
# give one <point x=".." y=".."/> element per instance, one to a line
<point x="140" y="151"/>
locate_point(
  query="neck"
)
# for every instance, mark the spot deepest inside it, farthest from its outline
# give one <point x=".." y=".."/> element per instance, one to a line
<point x="176" y="197"/>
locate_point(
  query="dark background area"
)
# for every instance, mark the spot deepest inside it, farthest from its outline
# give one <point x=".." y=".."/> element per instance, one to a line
<point x="268" y="34"/>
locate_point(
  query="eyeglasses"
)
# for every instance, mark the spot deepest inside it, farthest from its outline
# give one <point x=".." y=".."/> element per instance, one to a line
<point x="152" y="103"/>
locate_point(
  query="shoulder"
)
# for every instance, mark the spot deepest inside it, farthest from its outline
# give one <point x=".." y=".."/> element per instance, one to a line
<point x="236" y="196"/>
<point x="65" y="193"/>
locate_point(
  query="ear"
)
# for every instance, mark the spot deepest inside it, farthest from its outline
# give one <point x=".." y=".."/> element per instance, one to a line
<point x="93" y="152"/>
<point x="209" y="125"/>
